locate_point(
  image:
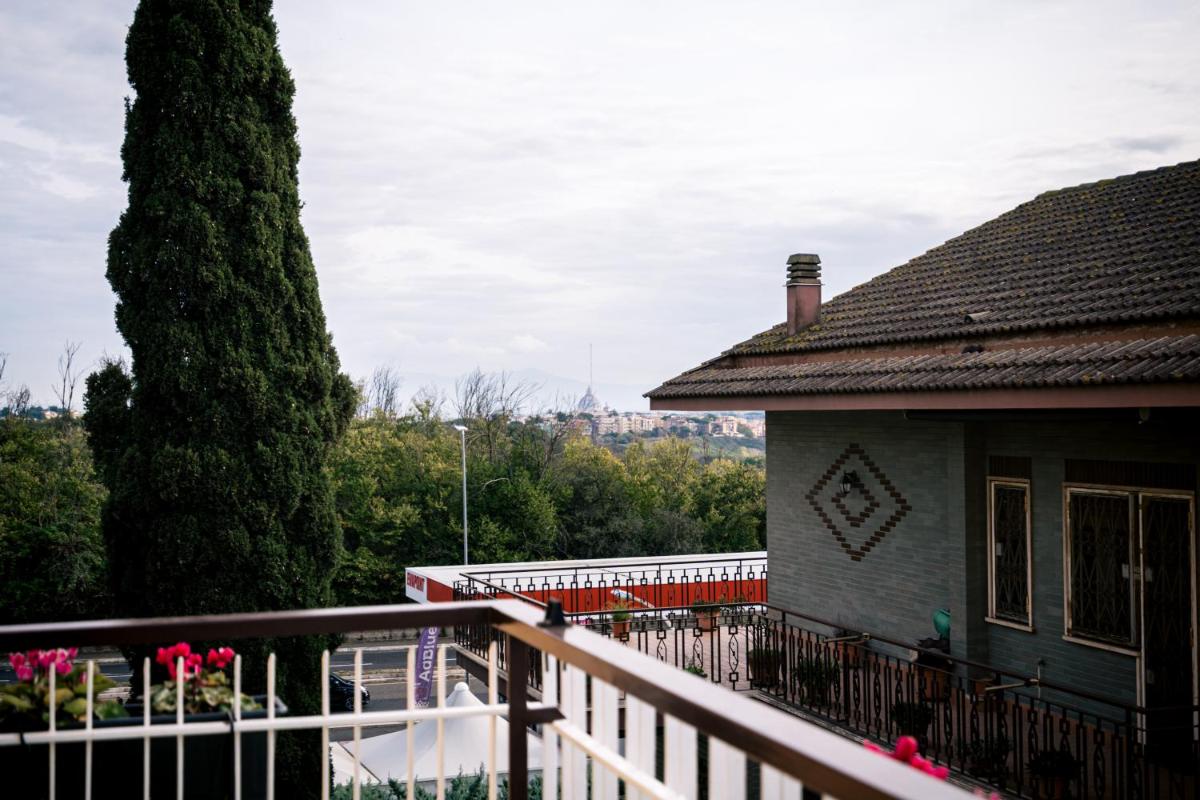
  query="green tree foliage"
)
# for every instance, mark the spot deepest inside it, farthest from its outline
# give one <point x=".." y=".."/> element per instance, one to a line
<point x="51" y="552"/>
<point x="397" y="488"/>
<point x="536" y="491"/>
<point x="215" y="448"/>
<point x="730" y="503"/>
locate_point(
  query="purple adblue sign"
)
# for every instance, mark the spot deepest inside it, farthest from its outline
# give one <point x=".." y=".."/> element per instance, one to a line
<point x="426" y="658"/>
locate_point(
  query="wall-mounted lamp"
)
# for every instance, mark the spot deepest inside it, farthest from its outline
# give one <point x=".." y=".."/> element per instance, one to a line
<point x="849" y="481"/>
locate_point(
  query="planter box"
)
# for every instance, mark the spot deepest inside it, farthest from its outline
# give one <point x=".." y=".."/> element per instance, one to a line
<point x="117" y="765"/>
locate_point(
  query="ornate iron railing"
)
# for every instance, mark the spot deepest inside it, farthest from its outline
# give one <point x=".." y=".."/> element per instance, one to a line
<point x="1015" y="732"/>
<point x="588" y="682"/>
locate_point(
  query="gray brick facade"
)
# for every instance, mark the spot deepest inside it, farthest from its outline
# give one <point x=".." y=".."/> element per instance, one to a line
<point x="935" y="555"/>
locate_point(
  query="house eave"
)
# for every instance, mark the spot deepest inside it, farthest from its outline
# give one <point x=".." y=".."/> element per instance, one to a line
<point x="1081" y="397"/>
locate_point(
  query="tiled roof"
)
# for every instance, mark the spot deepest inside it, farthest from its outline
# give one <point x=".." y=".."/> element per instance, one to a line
<point x="1038" y="297"/>
<point x="1117" y="251"/>
<point x="1169" y="359"/>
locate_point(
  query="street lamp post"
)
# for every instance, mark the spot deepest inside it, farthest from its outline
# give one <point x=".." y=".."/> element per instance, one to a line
<point x="462" y="429"/>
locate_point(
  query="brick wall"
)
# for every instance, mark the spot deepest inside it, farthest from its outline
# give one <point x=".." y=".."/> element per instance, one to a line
<point x="935" y="556"/>
<point x="914" y="570"/>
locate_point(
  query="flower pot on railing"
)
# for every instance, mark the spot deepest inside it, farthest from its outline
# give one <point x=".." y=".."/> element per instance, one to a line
<point x="204" y="684"/>
<point x="117" y="764"/>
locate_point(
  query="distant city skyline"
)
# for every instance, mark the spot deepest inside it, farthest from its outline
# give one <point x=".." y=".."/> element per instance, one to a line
<point x="499" y="186"/>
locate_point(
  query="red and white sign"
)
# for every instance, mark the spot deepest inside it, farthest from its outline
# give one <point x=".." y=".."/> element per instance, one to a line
<point x="414" y="586"/>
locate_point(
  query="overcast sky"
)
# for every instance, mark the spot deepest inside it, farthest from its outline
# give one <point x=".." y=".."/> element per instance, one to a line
<point x="499" y="184"/>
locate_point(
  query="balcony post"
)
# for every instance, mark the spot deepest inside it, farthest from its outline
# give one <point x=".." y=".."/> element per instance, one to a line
<point x="518" y="757"/>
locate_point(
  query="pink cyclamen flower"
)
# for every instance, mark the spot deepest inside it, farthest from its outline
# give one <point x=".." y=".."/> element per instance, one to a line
<point x="45" y="658"/>
<point x="908" y="752"/>
<point x="24" y="673"/>
<point x="63" y="667"/>
<point x="220" y="658"/>
<point x="17" y="660"/>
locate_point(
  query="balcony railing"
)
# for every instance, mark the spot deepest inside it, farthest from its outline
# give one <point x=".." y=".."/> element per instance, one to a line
<point x="594" y="692"/>
<point x="987" y="724"/>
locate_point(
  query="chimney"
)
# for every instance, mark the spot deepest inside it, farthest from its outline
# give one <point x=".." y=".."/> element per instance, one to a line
<point x="803" y="291"/>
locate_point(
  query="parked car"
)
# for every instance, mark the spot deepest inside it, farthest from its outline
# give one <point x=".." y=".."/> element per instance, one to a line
<point x="341" y="693"/>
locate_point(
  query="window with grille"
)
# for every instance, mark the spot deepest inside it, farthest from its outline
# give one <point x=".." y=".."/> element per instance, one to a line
<point x="1100" y="555"/>
<point x="1009" y="567"/>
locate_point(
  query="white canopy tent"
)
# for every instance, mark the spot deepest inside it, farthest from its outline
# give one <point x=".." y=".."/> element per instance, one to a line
<point x="465" y="741"/>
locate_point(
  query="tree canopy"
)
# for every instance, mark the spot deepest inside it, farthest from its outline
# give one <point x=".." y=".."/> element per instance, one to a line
<point x="214" y="446"/>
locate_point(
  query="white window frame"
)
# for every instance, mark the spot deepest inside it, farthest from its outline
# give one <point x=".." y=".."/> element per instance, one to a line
<point x="992" y="616"/>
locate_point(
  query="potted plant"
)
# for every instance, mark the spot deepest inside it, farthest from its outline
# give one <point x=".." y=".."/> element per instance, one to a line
<point x="695" y="669"/>
<point x="764" y="667"/>
<point x="1054" y="771"/>
<point x="207" y="696"/>
<point x="988" y="758"/>
<point x="619" y="615"/>
<point x="912" y="719"/>
<point x="706" y="613"/>
<point x="25" y="705"/>
<point x="812" y="680"/>
<point x="736" y="610"/>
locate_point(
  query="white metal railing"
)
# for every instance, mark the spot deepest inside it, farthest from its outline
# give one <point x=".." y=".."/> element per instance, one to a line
<point x="587" y="681"/>
<point x="270" y="724"/>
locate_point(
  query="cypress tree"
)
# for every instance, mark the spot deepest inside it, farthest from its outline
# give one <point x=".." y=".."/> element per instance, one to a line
<point x="214" y="444"/>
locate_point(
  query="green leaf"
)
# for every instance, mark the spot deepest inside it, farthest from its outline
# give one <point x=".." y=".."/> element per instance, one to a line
<point x="111" y="709"/>
<point x="16" y="702"/>
<point x="76" y="708"/>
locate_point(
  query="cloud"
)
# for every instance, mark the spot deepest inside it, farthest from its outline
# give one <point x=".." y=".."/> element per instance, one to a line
<point x="1148" y="144"/>
<point x="502" y="185"/>
<point x="525" y="343"/>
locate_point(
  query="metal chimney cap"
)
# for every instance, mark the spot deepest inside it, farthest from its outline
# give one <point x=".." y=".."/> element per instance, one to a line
<point x="803" y="268"/>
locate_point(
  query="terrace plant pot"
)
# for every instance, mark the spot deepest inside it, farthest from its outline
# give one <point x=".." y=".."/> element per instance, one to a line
<point x="764" y="665"/>
<point x="706" y="619"/>
<point x="913" y="719"/>
<point x="117" y="765"/>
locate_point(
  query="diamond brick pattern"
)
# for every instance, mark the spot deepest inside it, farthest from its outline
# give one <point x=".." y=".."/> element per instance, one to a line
<point x="839" y="520"/>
